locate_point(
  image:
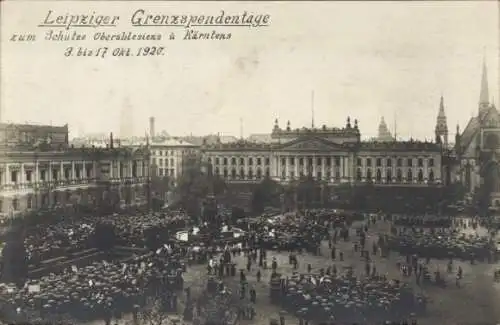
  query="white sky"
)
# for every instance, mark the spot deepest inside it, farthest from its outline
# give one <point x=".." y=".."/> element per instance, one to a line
<point x="363" y="60"/>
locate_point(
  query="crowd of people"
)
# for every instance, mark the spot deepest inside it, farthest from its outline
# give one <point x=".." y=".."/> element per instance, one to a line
<point x="104" y="289"/>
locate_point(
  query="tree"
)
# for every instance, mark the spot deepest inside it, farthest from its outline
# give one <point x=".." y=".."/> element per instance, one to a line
<point x="196" y="184"/>
<point x="265" y="194"/>
<point x="14" y="258"/>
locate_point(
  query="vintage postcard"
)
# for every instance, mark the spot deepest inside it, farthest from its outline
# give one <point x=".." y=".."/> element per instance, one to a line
<point x="253" y="163"/>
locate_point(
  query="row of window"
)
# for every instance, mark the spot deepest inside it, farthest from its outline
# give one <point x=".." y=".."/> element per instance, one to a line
<point x="161" y="161"/>
<point x="310" y="161"/>
<point x="399" y="175"/>
<point x="241" y="174"/>
<point x="241" y="160"/>
<point x="165" y="172"/>
<point x="14" y="175"/>
<point x="161" y="153"/>
<point x="399" y="162"/>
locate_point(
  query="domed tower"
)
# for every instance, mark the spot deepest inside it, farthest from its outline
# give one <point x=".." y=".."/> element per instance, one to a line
<point x="441" y="125"/>
<point x="383" y="132"/>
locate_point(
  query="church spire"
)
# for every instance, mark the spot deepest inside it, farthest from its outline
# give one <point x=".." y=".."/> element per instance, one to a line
<point x="441" y="124"/>
<point x="484" y="95"/>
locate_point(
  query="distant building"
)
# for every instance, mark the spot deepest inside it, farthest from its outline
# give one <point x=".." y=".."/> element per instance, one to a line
<point x="383" y="132"/>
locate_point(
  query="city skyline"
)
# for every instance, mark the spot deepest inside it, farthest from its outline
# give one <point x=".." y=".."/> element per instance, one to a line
<point x="388" y="60"/>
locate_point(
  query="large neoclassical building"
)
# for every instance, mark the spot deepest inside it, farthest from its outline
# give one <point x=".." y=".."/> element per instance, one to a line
<point x="39" y="169"/>
<point x="331" y="155"/>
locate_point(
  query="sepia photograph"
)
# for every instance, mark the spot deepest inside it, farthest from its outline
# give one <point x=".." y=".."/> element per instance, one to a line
<point x="249" y="162"/>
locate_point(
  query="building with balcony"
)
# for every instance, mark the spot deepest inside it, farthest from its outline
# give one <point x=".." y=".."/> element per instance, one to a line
<point x="40" y="170"/>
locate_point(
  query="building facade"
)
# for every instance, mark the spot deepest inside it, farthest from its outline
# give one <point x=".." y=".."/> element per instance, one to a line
<point x="474" y="158"/>
<point x="40" y="170"/>
<point x="331" y="155"/>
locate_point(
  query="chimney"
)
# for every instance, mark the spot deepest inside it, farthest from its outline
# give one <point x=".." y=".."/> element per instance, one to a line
<point x="152" y="127"/>
<point x="111" y="145"/>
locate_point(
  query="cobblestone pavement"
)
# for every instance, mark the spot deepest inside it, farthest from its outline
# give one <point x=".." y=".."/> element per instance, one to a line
<point x="476" y="301"/>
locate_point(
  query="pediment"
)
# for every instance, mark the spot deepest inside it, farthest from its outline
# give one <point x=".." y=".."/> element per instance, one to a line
<point x="310" y="144"/>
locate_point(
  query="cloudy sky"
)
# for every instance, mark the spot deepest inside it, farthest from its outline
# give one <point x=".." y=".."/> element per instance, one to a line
<point x="364" y="60"/>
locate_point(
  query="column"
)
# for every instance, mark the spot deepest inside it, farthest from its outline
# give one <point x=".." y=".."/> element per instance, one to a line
<point x="36" y="177"/>
<point x="296" y="166"/>
<point x="84" y="169"/>
<point x="315" y="166"/>
<point x="73" y="174"/>
<point x="287" y="168"/>
<point x="61" y="173"/>
<point x="341" y="167"/>
<point x="323" y="167"/>
<point x="22" y="177"/>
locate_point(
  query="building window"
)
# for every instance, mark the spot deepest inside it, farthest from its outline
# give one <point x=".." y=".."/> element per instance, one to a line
<point x="77" y="172"/>
<point x="420" y="162"/>
<point x="172" y="162"/>
<point x="242" y="161"/>
<point x="233" y="161"/>
<point x="268" y="161"/>
<point x="259" y="161"/>
<point x="233" y="172"/>
<point x="209" y="160"/>
<point x="28" y="176"/>
<point x="160" y="171"/>
<point x="217" y="161"/>
<point x="368" y="162"/>
<point x="301" y="161"/>
<point x="431" y="176"/>
<point x="328" y="161"/>
<point x="66" y="173"/>
<point x="160" y="162"/>
<point x="399" y="162"/>
<point x="337" y="161"/>
<point x="292" y="175"/>
<point x="431" y="162"/>
<point x="283" y="174"/>
<point x="369" y="174"/>
<point x="379" y="162"/>
<point x="89" y="172"/>
<point x="225" y="173"/>
<point x="319" y="161"/>
<point x="388" y="176"/>
<point x="389" y="162"/>
<point x="360" y="162"/>
<point x="259" y="173"/>
<point x="42" y="175"/>
<point x="13" y="176"/>
<point x="134" y="169"/>
<point x="399" y="176"/>
<point x="420" y="176"/>
<point x="217" y="171"/>
<point x="319" y="175"/>
<point x="410" y="162"/>
<point x="283" y="161"/>
<point x="359" y="175"/>
<point x="379" y="175"/>
<point x="268" y="173"/>
<point x="250" y="161"/>
<point x="153" y="161"/>
<point x="242" y="173"/>
<point x="250" y="174"/>
<point x="409" y="176"/>
<point x="29" y="202"/>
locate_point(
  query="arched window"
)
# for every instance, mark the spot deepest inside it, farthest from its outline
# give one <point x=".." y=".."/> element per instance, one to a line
<point x="368" y="174"/>
<point x="431" y="176"/>
<point x="242" y="173"/>
<point x="259" y="173"/>
<point x="217" y="172"/>
<point x="399" y="175"/>
<point x="389" y="162"/>
<point x="242" y="161"/>
<point x="233" y="173"/>
<point x="379" y="176"/>
<point x="233" y="161"/>
<point x="388" y="175"/>
<point x="400" y="162"/>
<point x="268" y="173"/>
<point x="409" y="176"/>
<point x="420" y="176"/>
<point x="250" y="174"/>
<point x="359" y="175"/>
<point x="209" y="160"/>
<point x="225" y="173"/>
<point x="225" y="161"/>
